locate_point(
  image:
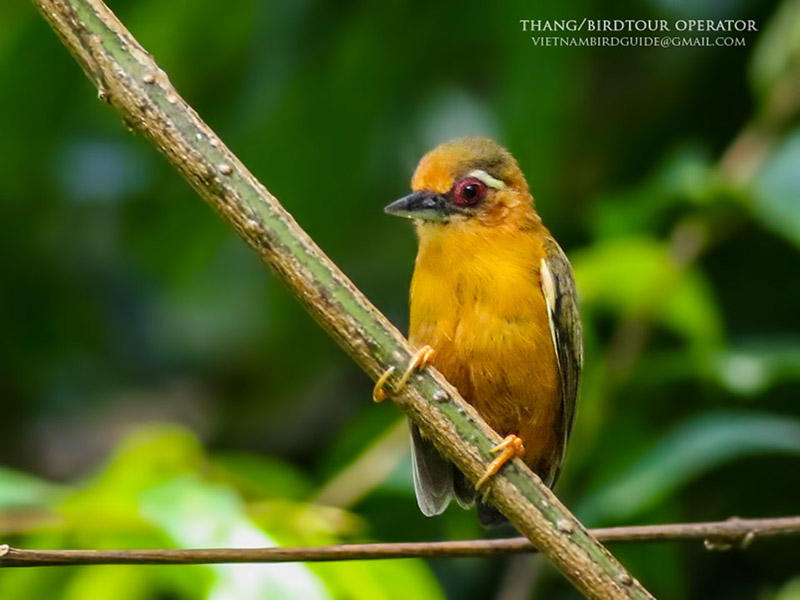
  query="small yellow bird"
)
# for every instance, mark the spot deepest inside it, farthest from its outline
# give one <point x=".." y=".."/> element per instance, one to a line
<point x="493" y="294"/>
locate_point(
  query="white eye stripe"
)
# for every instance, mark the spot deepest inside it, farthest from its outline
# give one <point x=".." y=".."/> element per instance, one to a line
<point x="487" y="179"/>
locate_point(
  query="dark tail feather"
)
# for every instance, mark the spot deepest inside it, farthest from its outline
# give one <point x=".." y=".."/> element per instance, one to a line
<point x="466" y="493"/>
<point x="433" y="475"/>
<point x="489" y="516"/>
<point x="464" y="490"/>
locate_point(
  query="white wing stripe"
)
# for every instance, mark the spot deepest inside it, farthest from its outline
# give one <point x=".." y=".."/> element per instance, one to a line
<point x="549" y="291"/>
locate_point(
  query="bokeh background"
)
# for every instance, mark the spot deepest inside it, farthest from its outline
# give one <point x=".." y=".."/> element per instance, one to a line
<point x="160" y="388"/>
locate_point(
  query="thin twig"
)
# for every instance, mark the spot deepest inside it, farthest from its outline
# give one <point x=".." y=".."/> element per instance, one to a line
<point x="128" y="78"/>
<point x="720" y="535"/>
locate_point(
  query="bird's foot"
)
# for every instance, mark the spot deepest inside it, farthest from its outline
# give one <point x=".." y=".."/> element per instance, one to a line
<point x="510" y="447"/>
<point x="419" y="360"/>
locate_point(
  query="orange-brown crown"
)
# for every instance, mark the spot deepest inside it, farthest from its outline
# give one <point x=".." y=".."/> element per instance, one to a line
<point x="440" y="168"/>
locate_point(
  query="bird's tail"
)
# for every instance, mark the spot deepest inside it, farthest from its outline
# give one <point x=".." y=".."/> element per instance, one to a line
<point x="489" y="516"/>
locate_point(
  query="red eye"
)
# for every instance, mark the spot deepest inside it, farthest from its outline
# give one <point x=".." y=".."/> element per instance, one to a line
<point x="469" y="192"/>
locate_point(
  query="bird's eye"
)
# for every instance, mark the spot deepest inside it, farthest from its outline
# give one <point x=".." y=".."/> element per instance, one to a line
<point x="468" y="192"/>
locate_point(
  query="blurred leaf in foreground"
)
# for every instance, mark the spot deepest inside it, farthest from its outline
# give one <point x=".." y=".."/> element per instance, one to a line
<point x="160" y="489"/>
<point x="196" y="514"/>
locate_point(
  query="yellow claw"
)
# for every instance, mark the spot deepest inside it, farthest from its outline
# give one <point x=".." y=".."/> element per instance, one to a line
<point x="510" y="447"/>
<point x="378" y="392"/>
<point x="419" y="360"/>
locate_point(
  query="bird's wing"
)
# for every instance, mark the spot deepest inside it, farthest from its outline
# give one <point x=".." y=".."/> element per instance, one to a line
<point x="433" y="475"/>
<point x="558" y="285"/>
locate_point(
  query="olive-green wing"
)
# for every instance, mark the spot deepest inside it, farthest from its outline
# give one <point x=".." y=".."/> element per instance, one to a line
<point x="558" y="285"/>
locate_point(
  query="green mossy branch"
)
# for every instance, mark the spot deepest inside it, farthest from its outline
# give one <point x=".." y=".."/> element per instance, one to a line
<point x="128" y="78"/>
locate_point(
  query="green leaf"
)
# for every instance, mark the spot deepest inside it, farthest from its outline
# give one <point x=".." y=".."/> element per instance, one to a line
<point x="380" y="580"/>
<point x="754" y="367"/>
<point x="147" y="457"/>
<point x="121" y="582"/>
<point x="195" y="514"/>
<point x="157" y="491"/>
<point x="636" y="276"/>
<point x="777" y="190"/>
<point x="20" y="490"/>
<point x="684" y="176"/>
<point x="153" y="480"/>
<point x="693" y="448"/>
<point x="778" y="48"/>
<point x="262" y="476"/>
<point x="790" y="591"/>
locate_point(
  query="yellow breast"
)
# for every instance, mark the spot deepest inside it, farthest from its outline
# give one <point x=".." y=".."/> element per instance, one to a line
<point x="476" y="297"/>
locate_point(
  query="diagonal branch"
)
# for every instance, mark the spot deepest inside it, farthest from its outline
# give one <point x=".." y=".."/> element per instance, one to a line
<point x="128" y="78"/>
<point x="720" y="535"/>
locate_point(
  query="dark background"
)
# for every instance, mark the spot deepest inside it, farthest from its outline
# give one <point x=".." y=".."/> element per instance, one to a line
<point x="159" y="386"/>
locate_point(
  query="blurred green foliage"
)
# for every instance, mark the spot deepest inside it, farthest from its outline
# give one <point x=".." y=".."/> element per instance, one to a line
<point x="160" y="389"/>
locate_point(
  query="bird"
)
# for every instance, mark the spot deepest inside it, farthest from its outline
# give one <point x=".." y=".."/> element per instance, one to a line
<point x="493" y="307"/>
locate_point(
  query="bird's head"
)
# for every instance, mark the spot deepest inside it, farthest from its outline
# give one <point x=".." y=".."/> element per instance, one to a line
<point x="467" y="181"/>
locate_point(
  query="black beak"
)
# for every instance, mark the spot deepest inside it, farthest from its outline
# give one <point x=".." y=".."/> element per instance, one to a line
<point x="428" y="206"/>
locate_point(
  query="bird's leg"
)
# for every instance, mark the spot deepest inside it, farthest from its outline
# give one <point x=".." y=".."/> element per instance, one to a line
<point x="419" y="360"/>
<point x="510" y="447"/>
